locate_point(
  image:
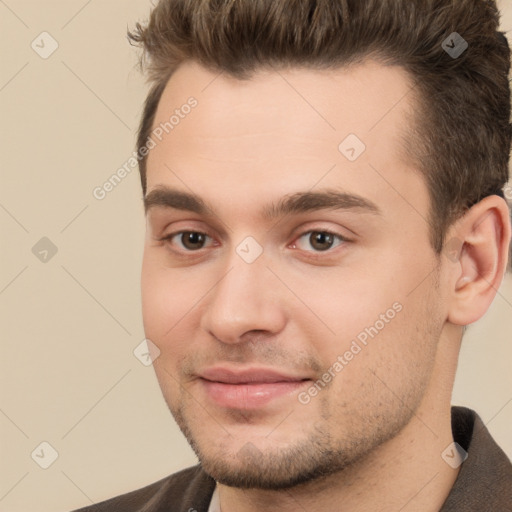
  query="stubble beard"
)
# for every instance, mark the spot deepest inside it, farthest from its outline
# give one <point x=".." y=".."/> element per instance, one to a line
<point x="314" y="457"/>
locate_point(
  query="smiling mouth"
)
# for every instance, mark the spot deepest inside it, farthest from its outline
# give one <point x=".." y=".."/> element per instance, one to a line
<point x="249" y="389"/>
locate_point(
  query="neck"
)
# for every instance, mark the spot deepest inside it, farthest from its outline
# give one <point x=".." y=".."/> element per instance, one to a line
<point x="406" y="473"/>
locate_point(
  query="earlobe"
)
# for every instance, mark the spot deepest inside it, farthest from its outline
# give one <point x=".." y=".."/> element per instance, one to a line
<point x="479" y="264"/>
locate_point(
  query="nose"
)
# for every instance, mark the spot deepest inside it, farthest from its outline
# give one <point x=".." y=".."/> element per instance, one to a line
<point x="246" y="300"/>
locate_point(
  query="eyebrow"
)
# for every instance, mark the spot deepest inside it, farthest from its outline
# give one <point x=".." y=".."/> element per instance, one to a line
<point x="298" y="202"/>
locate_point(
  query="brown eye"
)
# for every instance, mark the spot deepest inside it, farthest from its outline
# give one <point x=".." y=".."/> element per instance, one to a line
<point x="192" y="240"/>
<point x="321" y="241"/>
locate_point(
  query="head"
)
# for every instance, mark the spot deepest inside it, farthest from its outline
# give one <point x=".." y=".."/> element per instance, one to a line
<point x="326" y="207"/>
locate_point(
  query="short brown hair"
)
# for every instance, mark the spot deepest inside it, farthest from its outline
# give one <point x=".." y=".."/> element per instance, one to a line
<point x="462" y="133"/>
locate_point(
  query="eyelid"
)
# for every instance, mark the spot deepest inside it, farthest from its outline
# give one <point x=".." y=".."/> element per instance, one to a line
<point x="175" y="227"/>
<point x="318" y="229"/>
<point x="343" y="239"/>
<point x="168" y="238"/>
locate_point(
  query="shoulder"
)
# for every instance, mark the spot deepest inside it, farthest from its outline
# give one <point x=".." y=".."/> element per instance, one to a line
<point x="484" y="481"/>
<point x="186" y="491"/>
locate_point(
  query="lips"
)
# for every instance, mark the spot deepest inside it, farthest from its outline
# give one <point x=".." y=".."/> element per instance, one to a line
<point x="252" y="375"/>
<point x="250" y="388"/>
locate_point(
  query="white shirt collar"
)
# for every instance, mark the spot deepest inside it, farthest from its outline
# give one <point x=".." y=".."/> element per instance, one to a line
<point x="215" y="503"/>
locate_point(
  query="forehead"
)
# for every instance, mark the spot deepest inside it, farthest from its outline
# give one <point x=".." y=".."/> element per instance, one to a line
<point x="283" y="129"/>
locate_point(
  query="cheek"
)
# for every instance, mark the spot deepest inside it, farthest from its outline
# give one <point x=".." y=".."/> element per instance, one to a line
<point x="389" y="372"/>
<point x="343" y="304"/>
<point x="168" y="298"/>
<point x="373" y="321"/>
<point x="167" y="294"/>
<point x="155" y="298"/>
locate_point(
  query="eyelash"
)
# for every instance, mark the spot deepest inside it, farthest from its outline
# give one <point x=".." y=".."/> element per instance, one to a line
<point x="341" y="239"/>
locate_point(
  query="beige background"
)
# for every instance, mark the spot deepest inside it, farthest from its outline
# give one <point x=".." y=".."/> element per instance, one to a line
<point x="70" y="325"/>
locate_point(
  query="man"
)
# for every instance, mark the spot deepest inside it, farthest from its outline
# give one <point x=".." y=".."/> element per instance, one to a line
<point x="323" y="183"/>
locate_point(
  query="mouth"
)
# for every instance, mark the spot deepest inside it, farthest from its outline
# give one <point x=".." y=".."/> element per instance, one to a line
<point x="250" y="388"/>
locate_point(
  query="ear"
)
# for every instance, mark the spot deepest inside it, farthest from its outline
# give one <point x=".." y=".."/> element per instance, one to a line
<point x="477" y="250"/>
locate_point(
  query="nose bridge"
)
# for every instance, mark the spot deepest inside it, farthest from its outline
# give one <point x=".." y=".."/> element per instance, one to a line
<point x="243" y="300"/>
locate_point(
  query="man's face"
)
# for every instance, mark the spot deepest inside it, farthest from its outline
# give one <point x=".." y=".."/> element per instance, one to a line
<point x="295" y="300"/>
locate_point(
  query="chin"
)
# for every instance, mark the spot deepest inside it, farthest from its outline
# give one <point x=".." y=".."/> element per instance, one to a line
<point x="273" y="468"/>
